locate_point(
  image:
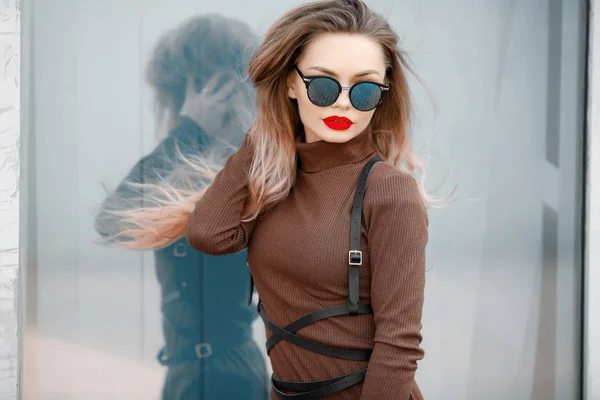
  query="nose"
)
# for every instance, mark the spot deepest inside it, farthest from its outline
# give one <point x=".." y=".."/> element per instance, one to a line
<point x="343" y="100"/>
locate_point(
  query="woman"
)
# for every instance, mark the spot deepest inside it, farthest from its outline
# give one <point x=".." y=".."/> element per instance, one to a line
<point x="209" y="349"/>
<point x="321" y="193"/>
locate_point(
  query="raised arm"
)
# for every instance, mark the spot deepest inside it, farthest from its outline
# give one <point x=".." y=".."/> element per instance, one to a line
<point x="215" y="226"/>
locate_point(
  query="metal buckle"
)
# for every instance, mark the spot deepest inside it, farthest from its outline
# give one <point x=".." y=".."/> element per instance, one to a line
<point x="355" y="257"/>
<point x="180" y="250"/>
<point x="203" y="346"/>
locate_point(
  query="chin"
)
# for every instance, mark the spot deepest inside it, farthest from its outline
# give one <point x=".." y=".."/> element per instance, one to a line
<point x="334" y="136"/>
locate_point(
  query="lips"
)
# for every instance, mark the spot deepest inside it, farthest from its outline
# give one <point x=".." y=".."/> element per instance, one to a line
<point x="337" y="123"/>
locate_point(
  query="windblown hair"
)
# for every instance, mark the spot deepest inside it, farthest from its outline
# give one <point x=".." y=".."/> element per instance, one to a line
<point x="275" y="130"/>
<point x="274" y="133"/>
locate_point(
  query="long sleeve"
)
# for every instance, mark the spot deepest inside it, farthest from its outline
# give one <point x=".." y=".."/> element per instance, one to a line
<point x="397" y="236"/>
<point x="186" y="137"/>
<point x="215" y="227"/>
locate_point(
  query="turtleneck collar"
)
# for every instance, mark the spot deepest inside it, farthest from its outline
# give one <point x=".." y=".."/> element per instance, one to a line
<point x="322" y="155"/>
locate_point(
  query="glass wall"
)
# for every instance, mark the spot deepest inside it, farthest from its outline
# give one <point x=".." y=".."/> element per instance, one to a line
<point x="499" y="113"/>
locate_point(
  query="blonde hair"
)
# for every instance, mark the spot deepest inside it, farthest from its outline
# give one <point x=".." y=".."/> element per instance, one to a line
<point x="274" y="132"/>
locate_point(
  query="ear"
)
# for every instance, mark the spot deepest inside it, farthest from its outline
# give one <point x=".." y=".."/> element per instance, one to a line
<point x="291" y="87"/>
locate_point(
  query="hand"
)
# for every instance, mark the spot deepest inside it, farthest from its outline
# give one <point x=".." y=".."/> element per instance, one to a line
<point x="211" y="106"/>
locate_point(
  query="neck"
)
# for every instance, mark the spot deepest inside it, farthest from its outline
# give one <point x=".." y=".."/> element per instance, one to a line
<point x="319" y="155"/>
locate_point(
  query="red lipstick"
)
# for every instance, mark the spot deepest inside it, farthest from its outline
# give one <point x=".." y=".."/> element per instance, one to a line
<point x="338" y="123"/>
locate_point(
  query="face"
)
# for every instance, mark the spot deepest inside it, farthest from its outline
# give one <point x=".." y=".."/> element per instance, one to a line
<point x="347" y="58"/>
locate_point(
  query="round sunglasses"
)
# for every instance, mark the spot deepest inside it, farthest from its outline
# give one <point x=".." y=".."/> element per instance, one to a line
<point x="324" y="91"/>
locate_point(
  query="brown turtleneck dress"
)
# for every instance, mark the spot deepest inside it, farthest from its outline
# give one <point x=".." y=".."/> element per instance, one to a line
<point x="298" y="256"/>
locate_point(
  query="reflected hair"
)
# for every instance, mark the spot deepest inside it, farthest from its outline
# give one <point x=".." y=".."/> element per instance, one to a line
<point x="197" y="47"/>
<point x="149" y="209"/>
<point x="277" y="126"/>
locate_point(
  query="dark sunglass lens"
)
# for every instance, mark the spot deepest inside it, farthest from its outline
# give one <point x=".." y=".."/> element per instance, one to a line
<point x="323" y="92"/>
<point x="365" y="96"/>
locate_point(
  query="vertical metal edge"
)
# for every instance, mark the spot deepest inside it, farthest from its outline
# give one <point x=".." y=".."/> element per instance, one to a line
<point x="591" y="273"/>
<point x="27" y="293"/>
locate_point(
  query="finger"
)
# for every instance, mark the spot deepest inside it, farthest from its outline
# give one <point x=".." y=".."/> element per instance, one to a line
<point x="212" y="82"/>
<point x="227" y="90"/>
<point x="190" y="87"/>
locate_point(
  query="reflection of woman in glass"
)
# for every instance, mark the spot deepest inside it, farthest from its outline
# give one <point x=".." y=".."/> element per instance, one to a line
<point x="321" y="193"/>
<point x="202" y="103"/>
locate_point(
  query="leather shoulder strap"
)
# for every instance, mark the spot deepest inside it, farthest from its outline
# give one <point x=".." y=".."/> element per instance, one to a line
<point x="355" y="254"/>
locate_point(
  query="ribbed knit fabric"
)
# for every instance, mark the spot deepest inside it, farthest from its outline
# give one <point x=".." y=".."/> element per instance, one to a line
<point x="298" y="256"/>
